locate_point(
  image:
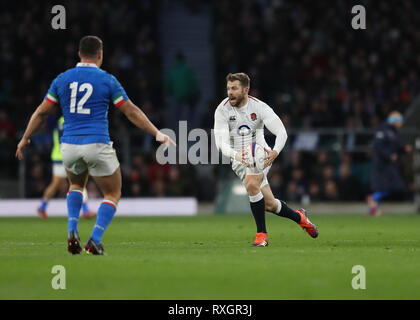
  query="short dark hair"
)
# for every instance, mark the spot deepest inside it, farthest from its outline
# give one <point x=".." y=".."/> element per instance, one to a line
<point x="89" y="46"/>
<point x="241" y="77"/>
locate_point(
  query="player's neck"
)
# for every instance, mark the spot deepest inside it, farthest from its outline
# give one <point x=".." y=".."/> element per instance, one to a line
<point x="244" y="102"/>
<point x="89" y="61"/>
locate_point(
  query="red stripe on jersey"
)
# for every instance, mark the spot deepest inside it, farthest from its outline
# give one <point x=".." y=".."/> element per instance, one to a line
<point x="227" y="100"/>
<point x="255" y="99"/>
<point x="49" y="100"/>
<point x="120" y="103"/>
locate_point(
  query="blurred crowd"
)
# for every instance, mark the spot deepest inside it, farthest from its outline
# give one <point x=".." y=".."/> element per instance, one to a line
<point x="304" y="60"/>
<point x="33" y="53"/>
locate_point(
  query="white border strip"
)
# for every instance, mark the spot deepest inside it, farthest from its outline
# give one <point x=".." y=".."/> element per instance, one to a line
<point x="126" y="207"/>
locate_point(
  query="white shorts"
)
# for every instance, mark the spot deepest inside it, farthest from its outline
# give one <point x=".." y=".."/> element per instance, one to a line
<point x="99" y="158"/>
<point x="241" y="171"/>
<point x="58" y="170"/>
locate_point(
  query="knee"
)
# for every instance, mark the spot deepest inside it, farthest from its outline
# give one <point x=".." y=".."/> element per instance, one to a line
<point x="252" y="186"/>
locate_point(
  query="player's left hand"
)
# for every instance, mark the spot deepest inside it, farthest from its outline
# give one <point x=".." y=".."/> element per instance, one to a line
<point x="24" y="142"/>
<point x="271" y="156"/>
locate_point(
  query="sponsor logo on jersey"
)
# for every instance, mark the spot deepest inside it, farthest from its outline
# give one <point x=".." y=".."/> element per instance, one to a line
<point x="232" y="118"/>
<point x="244" y="130"/>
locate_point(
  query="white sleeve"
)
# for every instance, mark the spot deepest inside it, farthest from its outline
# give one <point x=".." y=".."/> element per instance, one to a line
<point x="275" y="126"/>
<point x="221" y="134"/>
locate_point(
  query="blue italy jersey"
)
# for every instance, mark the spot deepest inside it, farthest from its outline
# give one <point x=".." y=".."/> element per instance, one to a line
<point x="84" y="94"/>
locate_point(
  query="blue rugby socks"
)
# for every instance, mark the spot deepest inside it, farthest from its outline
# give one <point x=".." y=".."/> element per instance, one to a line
<point x="106" y="212"/>
<point x="74" y="204"/>
<point x="85" y="207"/>
<point x="43" y="205"/>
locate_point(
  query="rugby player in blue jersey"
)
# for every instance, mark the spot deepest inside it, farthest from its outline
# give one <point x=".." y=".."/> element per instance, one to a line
<point x="84" y="94"/>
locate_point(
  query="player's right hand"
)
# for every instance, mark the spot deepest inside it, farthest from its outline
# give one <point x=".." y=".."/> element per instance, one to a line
<point x="241" y="157"/>
<point x="24" y="142"/>
<point x="164" y="139"/>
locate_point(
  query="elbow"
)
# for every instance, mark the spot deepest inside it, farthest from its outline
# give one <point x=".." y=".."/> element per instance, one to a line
<point x="130" y="115"/>
<point x="283" y="135"/>
<point x="42" y="114"/>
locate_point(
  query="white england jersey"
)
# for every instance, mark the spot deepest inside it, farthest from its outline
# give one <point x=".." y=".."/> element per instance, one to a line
<point x="235" y="127"/>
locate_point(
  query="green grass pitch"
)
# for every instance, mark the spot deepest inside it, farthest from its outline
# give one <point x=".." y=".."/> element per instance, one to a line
<point x="210" y="257"/>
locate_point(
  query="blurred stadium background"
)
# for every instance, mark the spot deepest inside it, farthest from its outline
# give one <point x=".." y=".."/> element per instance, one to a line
<point x="331" y="86"/>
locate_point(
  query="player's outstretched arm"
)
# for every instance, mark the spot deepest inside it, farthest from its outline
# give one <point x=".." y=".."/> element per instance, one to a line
<point x="140" y="120"/>
<point x="37" y="118"/>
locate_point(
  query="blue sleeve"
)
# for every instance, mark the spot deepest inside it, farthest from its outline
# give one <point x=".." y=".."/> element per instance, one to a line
<point x="52" y="94"/>
<point x="118" y="94"/>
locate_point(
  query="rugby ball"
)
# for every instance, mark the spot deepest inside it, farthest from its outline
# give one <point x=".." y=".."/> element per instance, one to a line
<point x="255" y="154"/>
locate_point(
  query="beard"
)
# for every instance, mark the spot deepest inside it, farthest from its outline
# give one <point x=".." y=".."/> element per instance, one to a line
<point x="237" y="100"/>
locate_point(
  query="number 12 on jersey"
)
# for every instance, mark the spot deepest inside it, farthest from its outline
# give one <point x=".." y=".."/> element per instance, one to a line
<point x="83" y="87"/>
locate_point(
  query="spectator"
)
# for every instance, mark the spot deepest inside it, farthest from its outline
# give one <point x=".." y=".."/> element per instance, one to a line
<point x="330" y="191"/>
<point x="276" y="184"/>
<point x="175" y="185"/>
<point x="322" y="161"/>
<point x="156" y="171"/>
<point x="7" y="141"/>
<point x="158" y="188"/>
<point x="292" y="192"/>
<point x="181" y="85"/>
<point x="7" y="128"/>
<point x="386" y="176"/>
<point x="306" y="140"/>
<point x="314" y="191"/>
<point x="138" y="177"/>
<point x="349" y="187"/>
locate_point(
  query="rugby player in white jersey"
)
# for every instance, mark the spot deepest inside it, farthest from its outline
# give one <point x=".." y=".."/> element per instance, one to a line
<point x="239" y="120"/>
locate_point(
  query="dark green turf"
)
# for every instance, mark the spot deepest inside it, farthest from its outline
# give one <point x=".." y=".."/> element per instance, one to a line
<point x="210" y="257"/>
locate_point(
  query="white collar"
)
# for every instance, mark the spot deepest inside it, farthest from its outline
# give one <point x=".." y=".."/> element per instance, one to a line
<point x="86" y="64"/>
